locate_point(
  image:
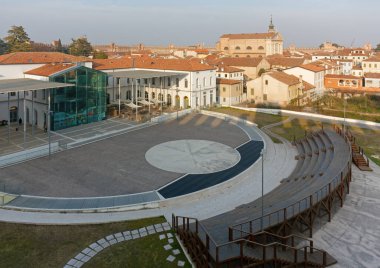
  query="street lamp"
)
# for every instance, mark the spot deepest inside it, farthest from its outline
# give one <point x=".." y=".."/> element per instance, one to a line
<point x="344" y="114"/>
<point x="262" y="189"/>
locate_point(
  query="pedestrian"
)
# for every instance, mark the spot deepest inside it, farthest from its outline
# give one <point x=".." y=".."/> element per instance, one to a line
<point x="20" y="121"/>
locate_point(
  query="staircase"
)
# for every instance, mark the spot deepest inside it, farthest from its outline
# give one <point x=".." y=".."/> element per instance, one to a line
<point x="359" y="158"/>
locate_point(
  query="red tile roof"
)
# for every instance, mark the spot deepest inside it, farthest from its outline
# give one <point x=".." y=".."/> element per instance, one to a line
<point x="39" y="57"/>
<point x="285" y="62"/>
<point x="249" y="36"/>
<point x="227" y="81"/>
<point x="228" y="69"/>
<point x="50" y="69"/>
<point x="240" y="62"/>
<point x="285" y="78"/>
<point x="342" y="76"/>
<point x="152" y="63"/>
<point x="372" y="75"/>
<point x="313" y="67"/>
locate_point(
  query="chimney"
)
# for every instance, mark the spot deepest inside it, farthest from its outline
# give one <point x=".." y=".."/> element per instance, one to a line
<point x="300" y="78"/>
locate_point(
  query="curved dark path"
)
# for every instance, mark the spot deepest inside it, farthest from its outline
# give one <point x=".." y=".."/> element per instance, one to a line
<point x="249" y="153"/>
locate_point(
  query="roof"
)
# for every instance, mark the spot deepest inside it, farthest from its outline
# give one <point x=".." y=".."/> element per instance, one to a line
<point x="39" y="58"/>
<point x="249" y="36"/>
<point x="372" y="75"/>
<point x="152" y="63"/>
<point x="141" y="74"/>
<point x="341" y="76"/>
<point x="227" y="81"/>
<point x="307" y="86"/>
<point x="25" y="84"/>
<point x="373" y="59"/>
<point x="285" y="78"/>
<point x="286" y="62"/>
<point x="241" y="62"/>
<point x="313" y="67"/>
<point x="50" y="69"/>
<point x="228" y="69"/>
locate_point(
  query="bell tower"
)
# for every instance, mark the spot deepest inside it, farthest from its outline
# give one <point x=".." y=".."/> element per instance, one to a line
<point x="271" y="28"/>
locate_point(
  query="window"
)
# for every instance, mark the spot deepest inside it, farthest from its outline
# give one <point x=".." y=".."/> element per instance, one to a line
<point x="204" y="81"/>
<point x="210" y="80"/>
<point x="117" y="81"/>
<point x="153" y="81"/>
<point x="177" y="82"/>
<point x="249" y="48"/>
<point x="145" y="81"/>
<point x="237" y="48"/>
<point x="169" y="82"/>
<point x="186" y="83"/>
<point x="138" y="81"/>
<point x="224" y="89"/>
<point x="225" y="48"/>
<point x="44" y="94"/>
<point x="266" y="82"/>
<point x="197" y="82"/>
<point x="252" y="91"/>
<point x="370" y="65"/>
<point x="375" y="66"/>
<point x="265" y="97"/>
<point x="128" y="95"/>
<point x="13" y="94"/>
<point x="34" y="93"/>
<point x="127" y="80"/>
<point x="260" y="48"/>
<point x="224" y="99"/>
<point x="225" y="75"/>
<point x="248" y="56"/>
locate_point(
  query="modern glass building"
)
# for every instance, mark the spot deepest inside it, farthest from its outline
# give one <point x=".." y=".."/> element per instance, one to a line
<point x="81" y="104"/>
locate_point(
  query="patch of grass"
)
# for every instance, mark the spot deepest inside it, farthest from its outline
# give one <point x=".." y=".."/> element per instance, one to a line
<point x="295" y="129"/>
<point x="144" y="252"/>
<point x="26" y="245"/>
<point x="260" y="119"/>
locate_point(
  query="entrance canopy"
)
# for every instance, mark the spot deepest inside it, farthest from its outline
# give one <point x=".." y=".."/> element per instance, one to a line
<point x="26" y="84"/>
<point x="141" y="74"/>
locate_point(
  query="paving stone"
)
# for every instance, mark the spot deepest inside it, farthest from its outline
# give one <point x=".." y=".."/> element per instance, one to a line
<point x="167" y="228"/>
<point x="86" y="251"/>
<point x="127" y="233"/>
<point x="67" y="266"/>
<point x="166" y="224"/>
<point x="168" y="247"/>
<point x="98" y="249"/>
<point x="120" y="239"/>
<point x="78" y="264"/>
<point x="118" y="235"/>
<point x="176" y="251"/>
<point x="142" y="230"/>
<point x="110" y="237"/>
<point x="135" y="236"/>
<point x="128" y="237"/>
<point x="113" y="241"/>
<point x="171" y="258"/>
<point x="151" y="231"/>
<point x="94" y="245"/>
<point x="160" y="229"/>
<point x="86" y="259"/>
<point x="92" y="253"/>
<point x="72" y="262"/>
<point x="170" y="241"/>
<point x="157" y="225"/>
<point x="169" y="235"/>
<point x="162" y="236"/>
<point x="101" y="241"/>
<point x="143" y="234"/>
<point x="135" y="232"/>
<point x="150" y="227"/>
<point x="181" y="263"/>
<point x="105" y="245"/>
<point x="79" y="257"/>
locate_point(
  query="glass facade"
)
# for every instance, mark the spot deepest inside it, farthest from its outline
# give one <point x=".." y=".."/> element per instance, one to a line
<point x="81" y="104"/>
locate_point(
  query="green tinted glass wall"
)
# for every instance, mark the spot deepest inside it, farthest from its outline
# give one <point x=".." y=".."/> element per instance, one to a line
<point x="81" y="104"/>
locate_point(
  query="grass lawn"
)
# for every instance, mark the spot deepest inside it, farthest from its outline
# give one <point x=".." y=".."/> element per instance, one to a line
<point x="368" y="139"/>
<point x="260" y="119"/>
<point x="25" y="245"/>
<point x="145" y="252"/>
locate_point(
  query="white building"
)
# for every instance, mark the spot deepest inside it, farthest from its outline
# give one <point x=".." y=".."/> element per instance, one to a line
<point x="372" y="80"/>
<point x="371" y="65"/>
<point x="176" y="82"/>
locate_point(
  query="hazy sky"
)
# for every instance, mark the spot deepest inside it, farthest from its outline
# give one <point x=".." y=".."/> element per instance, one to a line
<point x="302" y="22"/>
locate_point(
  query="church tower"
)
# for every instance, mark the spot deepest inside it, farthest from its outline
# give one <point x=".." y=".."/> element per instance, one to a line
<point x="271" y="28"/>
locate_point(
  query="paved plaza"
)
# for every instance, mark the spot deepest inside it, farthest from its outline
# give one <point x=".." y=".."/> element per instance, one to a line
<point x="113" y="166"/>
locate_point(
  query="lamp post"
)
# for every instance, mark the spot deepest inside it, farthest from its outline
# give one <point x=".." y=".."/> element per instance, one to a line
<point x="262" y="189"/>
<point x="344" y="114"/>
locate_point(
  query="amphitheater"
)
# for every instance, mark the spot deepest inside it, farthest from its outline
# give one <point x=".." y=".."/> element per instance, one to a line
<point x="234" y="197"/>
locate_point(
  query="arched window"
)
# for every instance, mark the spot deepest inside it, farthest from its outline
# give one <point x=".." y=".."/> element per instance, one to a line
<point x="177" y="82"/>
<point x="146" y="95"/>
<point x="128" y="96"/>
<point x="237" y="48"/>
<point x="248" y="56"/>
<point x="261" y="48"/>
<point x="138" y="93"/>
<point x="186" y="83"/>
<point x="236" y="56"/>
<point x="225" y="48"/>
<point x="153" y="95"/>
<point x="249" y="48"/>
<point x="169" y="82"/>
<point x="169" y="100"/>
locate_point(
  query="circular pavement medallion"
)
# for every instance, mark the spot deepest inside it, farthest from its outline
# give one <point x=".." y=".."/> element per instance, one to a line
<point x="192" y="156"/>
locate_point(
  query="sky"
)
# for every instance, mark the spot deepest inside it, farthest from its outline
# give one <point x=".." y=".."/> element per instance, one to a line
<point x="305" y="23"/>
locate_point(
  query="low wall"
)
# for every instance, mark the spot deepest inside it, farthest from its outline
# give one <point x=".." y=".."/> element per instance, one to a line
<point x="170" y="116"/>
<point x="312" y="115"/>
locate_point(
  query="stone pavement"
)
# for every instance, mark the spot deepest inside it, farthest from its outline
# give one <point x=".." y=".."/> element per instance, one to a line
<point x="95" y="248"/>
<point x="353" y="235"/>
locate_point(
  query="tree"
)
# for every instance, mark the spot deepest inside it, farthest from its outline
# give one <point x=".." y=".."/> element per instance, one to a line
<point x="261" y="71"/>
<point x="80" y="47"/>
<point x="100" y="55"/>
<point x="17" y="39"/>
<point x="377" y="49"/>
<point x="3" y="47"/>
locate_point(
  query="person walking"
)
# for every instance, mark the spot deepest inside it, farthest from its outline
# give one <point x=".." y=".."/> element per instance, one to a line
<point x="20" y="121"/>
